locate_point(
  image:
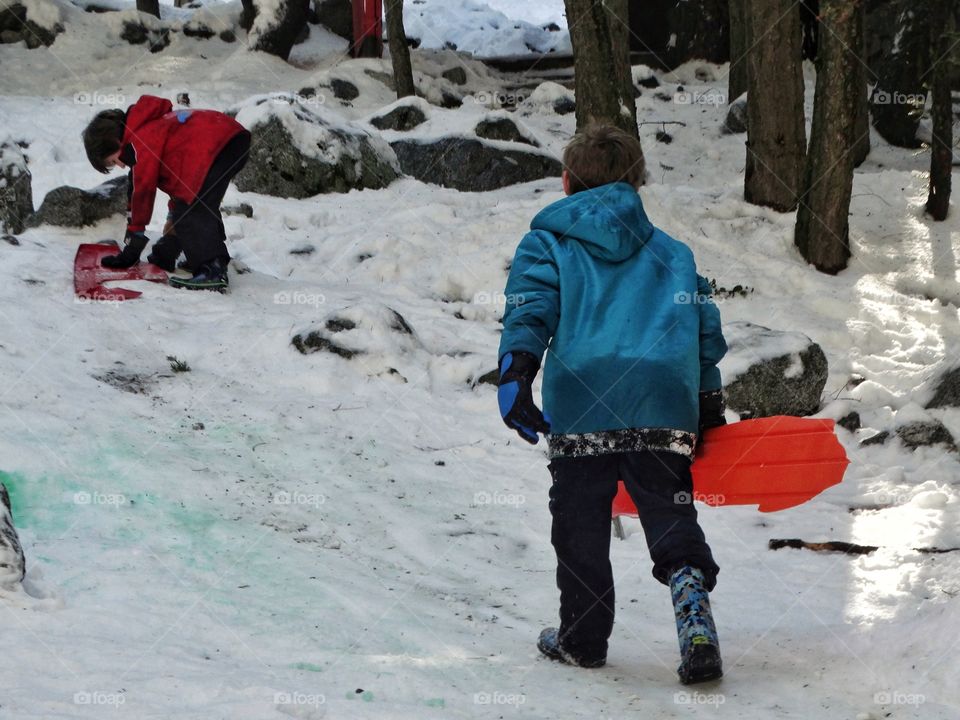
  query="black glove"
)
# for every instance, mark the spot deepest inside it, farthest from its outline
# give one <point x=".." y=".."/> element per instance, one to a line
<point x="134" y="244"/>
<point x="515" y="396"/>
<point x="711" y="410"/>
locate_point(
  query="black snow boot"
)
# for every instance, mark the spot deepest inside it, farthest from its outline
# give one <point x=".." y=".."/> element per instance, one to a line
<point x="549" y="644"/>
<point x="211" y="276"/>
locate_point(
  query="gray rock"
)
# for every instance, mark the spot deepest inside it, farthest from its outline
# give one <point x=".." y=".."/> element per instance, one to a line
<point x="502" y="128"/>
<point x="922" y="433"/>
<point x="470" y="165"/>
<point x="347" y="158"/>
<point x="16" y="190"/>
<point x="456" y="75"/>
<point x="72" y="207"/>
<point x="8" y="37"/>
<point x="785" y="371"/>
<point x="564" y="106"/>
<point x="344" y="89"/>
<point x="197" y="29"/>
<point x="401" y="118"/>
<point x="12" y="563"/>
<point x="336" y="16"/>
<point x="947" y="393"/>
<point x="879" y="439"/>
<point x="138" y="34"/>
<point x="14" y="22"/>
<point x="228" y="36"/>
<point x="850" y="421"/>
<point x="736" y="121"/>
<point x="244" y="209"/>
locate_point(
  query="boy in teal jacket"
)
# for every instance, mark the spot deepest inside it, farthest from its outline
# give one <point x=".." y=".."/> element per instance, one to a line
<point x="632" y="341"/>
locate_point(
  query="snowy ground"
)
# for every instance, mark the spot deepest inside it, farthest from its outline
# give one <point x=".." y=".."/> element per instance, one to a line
<point x="274" y="535"/>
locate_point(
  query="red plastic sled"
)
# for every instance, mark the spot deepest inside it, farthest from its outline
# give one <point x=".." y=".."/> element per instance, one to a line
<point x="89" y="275"/>
<point x="775" y="462"/>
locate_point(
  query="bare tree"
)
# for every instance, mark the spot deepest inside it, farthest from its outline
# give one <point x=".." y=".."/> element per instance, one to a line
<point x="862" y="128"/>
<point x="899" y="96"/>
<point x="776" y="138"/>
<point x="599" y="56"/>
<point x="941" y="150"/>
<point x="151" y="7"/>
<point x="399" y="49"/>
<point x="737" y="80"/>
<point x="822" y="230"/>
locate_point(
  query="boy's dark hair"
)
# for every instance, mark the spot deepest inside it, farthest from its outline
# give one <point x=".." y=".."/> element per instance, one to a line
<point x="102" y="137"/>
<point x="601" y="154"/>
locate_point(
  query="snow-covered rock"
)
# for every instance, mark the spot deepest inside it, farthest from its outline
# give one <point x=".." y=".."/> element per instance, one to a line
<point x="300" y="150"/>
<point x="12" y="563"/>
<point x="404" y="116"/>
<point x="771" y="372"/>
<point x="73" y="207"/>
<point x="736" y="120"/>
<point x="502" y="127"/>
<point x="470" y="165"/>
<point x="35" y="22"/>
<point x="16" y="195"/>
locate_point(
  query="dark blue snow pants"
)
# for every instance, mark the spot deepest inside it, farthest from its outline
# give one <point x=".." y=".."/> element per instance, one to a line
<point x="581" y="497"/>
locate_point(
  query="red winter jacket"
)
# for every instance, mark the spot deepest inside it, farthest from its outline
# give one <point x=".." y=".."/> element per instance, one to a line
<point x="170" y="150"/>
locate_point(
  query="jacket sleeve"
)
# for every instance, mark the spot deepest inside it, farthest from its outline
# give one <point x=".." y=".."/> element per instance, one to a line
<point x="712" y="345"/>
<point x="143" y="187"/>
<point x="533" y="297"/>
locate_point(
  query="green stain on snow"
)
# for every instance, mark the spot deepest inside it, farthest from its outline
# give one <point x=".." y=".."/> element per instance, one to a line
<point x="310" y="667"/>
<point x="364" y="695"/>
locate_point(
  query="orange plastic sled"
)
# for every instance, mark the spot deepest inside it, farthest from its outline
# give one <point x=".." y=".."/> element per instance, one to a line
<point x="775" y="463"/>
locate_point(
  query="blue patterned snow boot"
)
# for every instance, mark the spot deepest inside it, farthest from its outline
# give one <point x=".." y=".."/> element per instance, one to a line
<point x="699" y="646"/>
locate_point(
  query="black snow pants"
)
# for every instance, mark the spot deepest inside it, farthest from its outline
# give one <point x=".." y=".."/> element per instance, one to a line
<point x="198" y="226"/>
<point x="581" y="497"/>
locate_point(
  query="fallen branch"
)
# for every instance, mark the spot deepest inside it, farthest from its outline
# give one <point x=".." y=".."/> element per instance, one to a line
<point x="830" y="546"/>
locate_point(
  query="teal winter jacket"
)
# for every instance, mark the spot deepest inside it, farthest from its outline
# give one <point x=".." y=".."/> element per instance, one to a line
<point x="631" y="331"/>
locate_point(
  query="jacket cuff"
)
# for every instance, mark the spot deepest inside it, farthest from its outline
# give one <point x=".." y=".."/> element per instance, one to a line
<point x="710" y="379"/>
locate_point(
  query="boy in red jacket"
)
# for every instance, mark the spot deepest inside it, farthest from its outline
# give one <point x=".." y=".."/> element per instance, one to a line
<point x="189" y="154"/>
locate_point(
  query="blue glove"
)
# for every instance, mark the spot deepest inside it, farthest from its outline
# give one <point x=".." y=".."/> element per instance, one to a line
<point x="515" y="396"/>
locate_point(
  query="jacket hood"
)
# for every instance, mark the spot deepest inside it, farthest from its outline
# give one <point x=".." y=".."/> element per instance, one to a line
<point x="609" y="221"/>
<point x="146" y="109"/>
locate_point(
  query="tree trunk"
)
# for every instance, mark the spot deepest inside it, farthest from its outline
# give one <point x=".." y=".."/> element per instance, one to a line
<point x="151" y="7"/>
<point x="700" y="30"/>
<point x="595" y="62"/>
<point x="822" y="231"/>
<point x="737" y="81"/>
<point x="776" y="138"/>
<point x="618" y="17"/>
<point x="399" y="50"/>
<point x="276" y="31"/>
<point x="899" y="96"/>
<point x="862" y="128"/>
<point x="941" y="150"/>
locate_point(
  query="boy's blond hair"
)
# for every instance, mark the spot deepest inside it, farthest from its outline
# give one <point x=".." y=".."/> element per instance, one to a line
<point x="601" y="154"/>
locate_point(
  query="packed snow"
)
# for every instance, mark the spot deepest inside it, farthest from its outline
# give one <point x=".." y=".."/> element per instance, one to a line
<point x="271" y="534"/>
